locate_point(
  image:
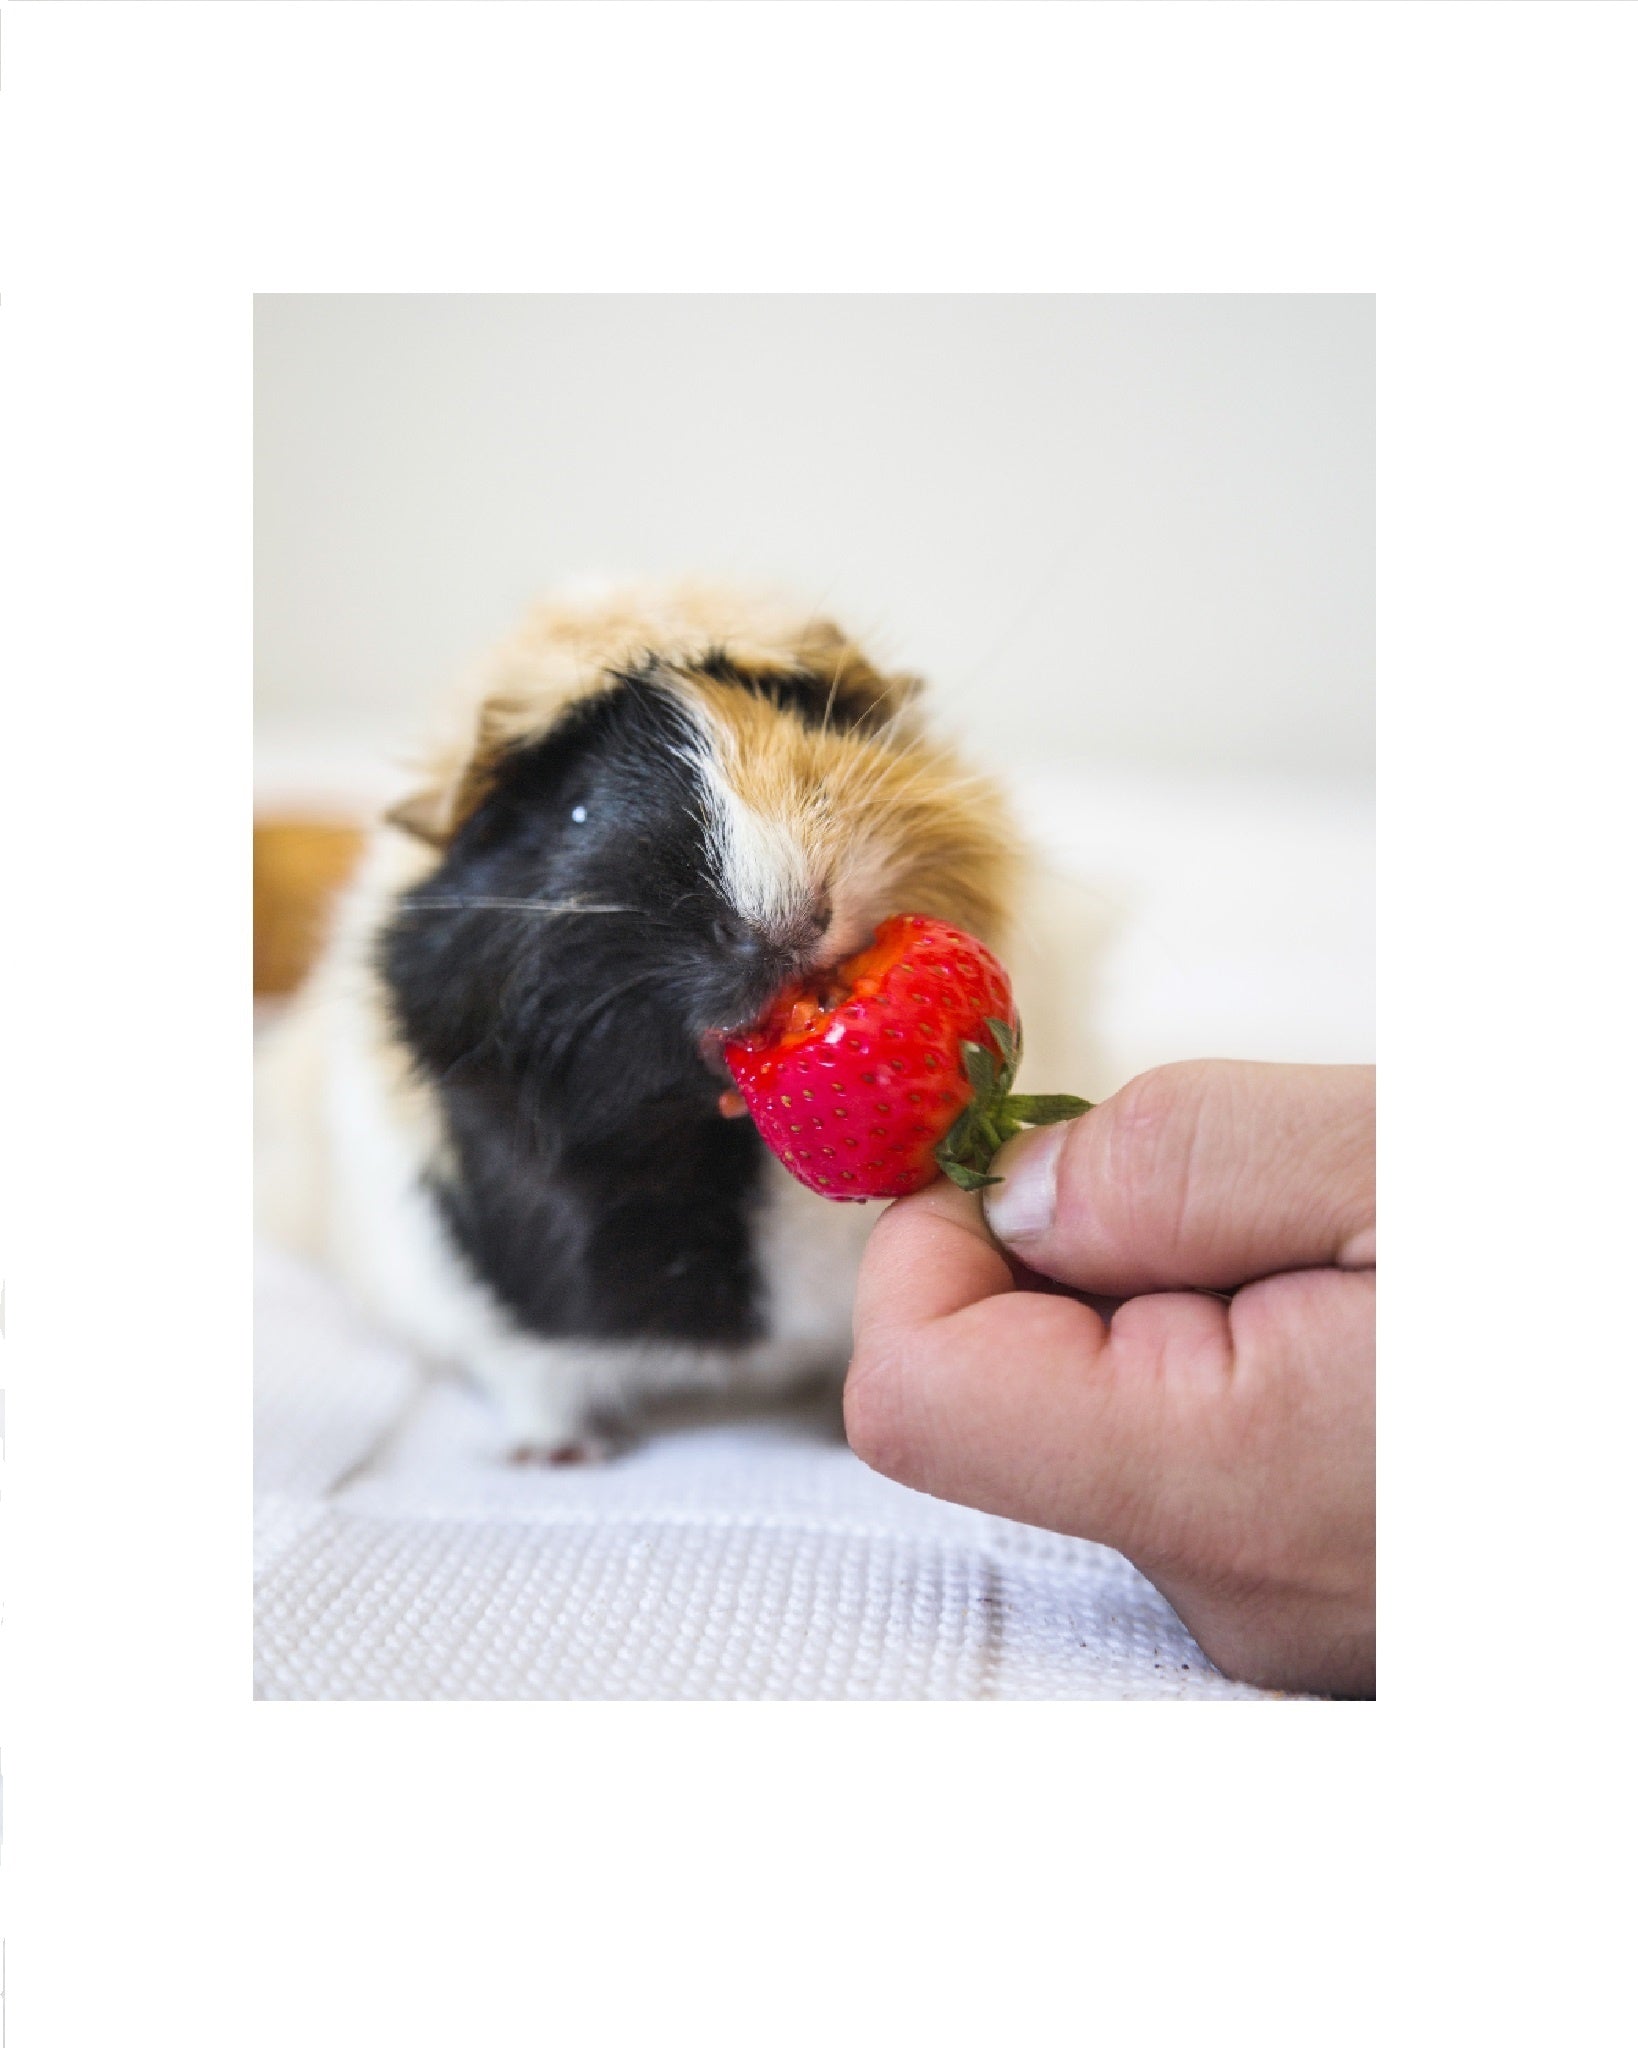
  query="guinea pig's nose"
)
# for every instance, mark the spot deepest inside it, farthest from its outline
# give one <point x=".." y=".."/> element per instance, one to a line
<point x="760" y="956"/>
<point x="805" y="933"/>
<point x="737" y="940"/>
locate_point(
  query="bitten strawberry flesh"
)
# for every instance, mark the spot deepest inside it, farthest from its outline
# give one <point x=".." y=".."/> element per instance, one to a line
<point x="871" y="1078"/>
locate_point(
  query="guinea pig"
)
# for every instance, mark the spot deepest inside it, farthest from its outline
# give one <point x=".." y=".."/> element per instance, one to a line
<point x="495" y="1108"/>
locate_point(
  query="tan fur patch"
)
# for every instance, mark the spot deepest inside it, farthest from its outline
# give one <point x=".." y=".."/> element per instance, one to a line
<point x="880" y="821"/>
<point x="864" y="807"/>
<point x="572" y="647"/>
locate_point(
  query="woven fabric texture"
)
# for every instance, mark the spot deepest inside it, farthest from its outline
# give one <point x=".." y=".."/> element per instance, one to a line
<point x="727" y="1557"/>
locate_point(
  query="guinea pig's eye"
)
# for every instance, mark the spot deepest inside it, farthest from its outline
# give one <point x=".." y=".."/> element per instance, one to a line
<point x="578" y="815"/>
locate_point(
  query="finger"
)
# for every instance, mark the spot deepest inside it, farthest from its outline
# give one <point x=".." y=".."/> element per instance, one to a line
<point x="929" y="1255"/>
<point x="1019" y="1403"/>
<point x="933" y="1252"/>
<point x="1207" y="1174"/>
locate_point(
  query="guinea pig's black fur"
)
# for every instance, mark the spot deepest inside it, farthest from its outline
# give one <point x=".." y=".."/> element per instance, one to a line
<point x="595" y="1186"/>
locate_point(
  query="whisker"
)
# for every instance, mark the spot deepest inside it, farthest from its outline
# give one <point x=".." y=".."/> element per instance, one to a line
<point x="835" y="680"/>
<point x="525" y="903"/>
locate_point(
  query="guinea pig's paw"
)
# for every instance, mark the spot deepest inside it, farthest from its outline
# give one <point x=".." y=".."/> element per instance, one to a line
<point x="585" y="1447"/>
<point x="547" y="1402"/>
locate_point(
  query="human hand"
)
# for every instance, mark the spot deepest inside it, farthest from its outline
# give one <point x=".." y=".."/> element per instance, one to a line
<point x="1063" y="1376"/>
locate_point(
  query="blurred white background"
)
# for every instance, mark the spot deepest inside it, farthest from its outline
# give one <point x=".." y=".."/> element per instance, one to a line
<point x="1108" y="529"/>
<point x="1127" y="539"/>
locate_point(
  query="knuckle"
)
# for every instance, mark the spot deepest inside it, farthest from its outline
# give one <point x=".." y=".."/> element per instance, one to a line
<point x="1151" y="1138"/>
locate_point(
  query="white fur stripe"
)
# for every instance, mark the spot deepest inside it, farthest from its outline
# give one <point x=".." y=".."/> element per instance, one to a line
<point x="764" y="870"/>
<point x="763" y="864"/>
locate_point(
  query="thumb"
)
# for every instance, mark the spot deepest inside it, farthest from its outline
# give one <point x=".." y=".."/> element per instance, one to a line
<point x="1206" y="1174"/>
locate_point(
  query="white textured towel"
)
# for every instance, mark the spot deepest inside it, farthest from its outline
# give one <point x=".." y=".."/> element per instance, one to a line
<point x="397" y="1557"/>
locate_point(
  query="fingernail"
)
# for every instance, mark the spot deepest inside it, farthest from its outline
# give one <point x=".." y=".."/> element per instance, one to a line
<point x="1022" y="1206"/>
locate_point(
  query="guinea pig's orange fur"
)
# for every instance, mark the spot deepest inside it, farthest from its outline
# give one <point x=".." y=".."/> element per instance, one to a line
<point x="886" y="817"/>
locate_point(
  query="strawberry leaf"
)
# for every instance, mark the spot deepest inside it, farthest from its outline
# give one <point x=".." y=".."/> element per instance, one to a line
<point x="1010" y="1045"/>
<point x="964" y="1177"/>
<point x="979" y="1063"/>
<point x="1044" y="1109"/>
<point x="958" y="1137"/>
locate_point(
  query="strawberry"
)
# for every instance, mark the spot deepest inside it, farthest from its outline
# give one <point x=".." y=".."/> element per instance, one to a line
<point x="872" y="1077"/>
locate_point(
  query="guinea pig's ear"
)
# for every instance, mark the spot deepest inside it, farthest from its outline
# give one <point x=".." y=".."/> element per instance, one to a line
<point x="458" y="781"/>
<point x="859" y="692"/>
<point x="423" y="816"/>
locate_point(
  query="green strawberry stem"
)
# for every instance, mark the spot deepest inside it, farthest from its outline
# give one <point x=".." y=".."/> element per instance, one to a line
<point x="993" y="1116"/>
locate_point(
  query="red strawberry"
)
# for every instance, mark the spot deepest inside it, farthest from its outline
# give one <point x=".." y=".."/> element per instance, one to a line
<point x="869" y="1079"/>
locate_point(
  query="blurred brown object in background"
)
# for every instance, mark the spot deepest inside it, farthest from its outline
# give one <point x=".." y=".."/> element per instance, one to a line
<point x="299" y="864"/>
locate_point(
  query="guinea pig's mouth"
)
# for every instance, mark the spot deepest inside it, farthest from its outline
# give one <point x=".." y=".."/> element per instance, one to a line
<point x="710" y="1045"/>
<point x="711" y="1042"/>
<point x="825" y="989"/>
<point x="773" y="962"/>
